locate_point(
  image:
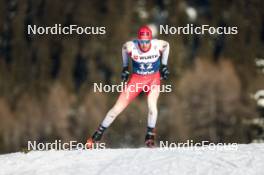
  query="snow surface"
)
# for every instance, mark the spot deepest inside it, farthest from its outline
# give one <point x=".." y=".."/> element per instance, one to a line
<point x="246" y="160"/>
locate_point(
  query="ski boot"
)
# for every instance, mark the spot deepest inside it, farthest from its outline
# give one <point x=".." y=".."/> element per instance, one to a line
<point x="150" y="137"/>
<point x="96" y="137"/>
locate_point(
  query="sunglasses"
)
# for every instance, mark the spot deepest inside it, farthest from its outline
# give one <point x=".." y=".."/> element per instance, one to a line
<point x="144" y="41"/>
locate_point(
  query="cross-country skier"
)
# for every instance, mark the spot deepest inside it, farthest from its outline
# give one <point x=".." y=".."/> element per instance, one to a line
<point x="149" y="64"/>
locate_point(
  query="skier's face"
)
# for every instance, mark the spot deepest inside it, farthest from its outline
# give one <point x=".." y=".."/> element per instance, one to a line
<point x="144" y="45"/>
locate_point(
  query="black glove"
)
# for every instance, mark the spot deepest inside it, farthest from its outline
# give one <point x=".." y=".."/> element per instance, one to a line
<point x="125" y="74"/>
<point x="164" y="72"/>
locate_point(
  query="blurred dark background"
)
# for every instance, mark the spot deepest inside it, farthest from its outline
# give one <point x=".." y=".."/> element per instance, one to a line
<point x="46" y="82"/>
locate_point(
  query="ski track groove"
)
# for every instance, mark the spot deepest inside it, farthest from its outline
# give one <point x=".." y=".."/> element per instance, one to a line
<point x="247" y="160"/>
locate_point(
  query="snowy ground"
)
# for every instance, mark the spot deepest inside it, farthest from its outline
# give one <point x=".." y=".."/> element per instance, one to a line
<point x="247" y="159"/>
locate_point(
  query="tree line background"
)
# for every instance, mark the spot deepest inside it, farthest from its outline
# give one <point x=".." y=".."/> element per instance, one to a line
<point x="46" y="82"/>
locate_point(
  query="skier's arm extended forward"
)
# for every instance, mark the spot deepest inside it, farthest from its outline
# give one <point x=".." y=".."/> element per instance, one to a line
<point x="164" y="48"/>
<point x="126" y="50"/>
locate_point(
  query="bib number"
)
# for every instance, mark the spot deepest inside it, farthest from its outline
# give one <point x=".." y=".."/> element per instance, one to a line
<point x="146" y="66"/>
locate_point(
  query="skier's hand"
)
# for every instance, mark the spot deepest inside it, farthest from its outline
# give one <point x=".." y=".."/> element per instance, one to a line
<point x="164" y="72"/>
<point x="125" y="74"/>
